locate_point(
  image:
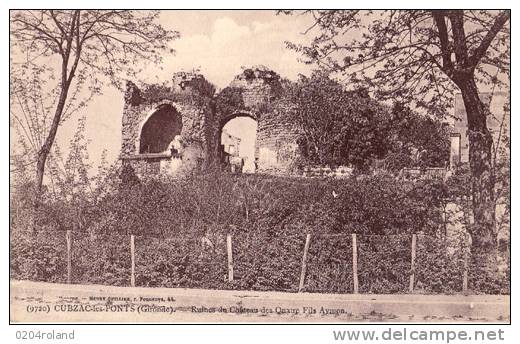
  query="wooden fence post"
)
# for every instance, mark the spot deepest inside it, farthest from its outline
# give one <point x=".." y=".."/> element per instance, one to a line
<point x="230" y="258"/>
<point x="354" y="264"/>
<point x="68" y="237"/>
<point x="412" y="263"/>
<point x="304" y="262"/>
<point x="466" y="264"/>
<point x="132" y="255"/>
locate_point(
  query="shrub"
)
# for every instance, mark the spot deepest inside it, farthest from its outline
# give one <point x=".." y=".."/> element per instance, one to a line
<point x="101" y="258"/>
<point x="329" y="265"/>
<point x="383" y="264"/>
<point x="181" y="227"/>
<point x="183" y="263"/>
<point x="487" y="279"/>
<point x="40" y="257"/>
<point x="381" y="204"/>
<point x="439" y="265"/>
<point x="267" y="263"/>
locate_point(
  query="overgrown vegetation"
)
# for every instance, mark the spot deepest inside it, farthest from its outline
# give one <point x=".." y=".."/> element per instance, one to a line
<point x="421" y="58"/>
<point x="341" y="127"/>
<point x="62" y="55"/>
<point x="181" y="224"/>
<point x="181" y="227"/>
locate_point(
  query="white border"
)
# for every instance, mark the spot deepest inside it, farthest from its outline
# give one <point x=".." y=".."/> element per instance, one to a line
<point x="230" y="333"/>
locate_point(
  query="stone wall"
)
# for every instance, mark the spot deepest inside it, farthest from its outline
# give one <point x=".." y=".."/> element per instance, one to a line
<point x="277" y="144"/>
<point x="260" y="88"/>
<point x="191" y="97"/>
<point x="262" y="94"/>
<point x="256" y="93"/>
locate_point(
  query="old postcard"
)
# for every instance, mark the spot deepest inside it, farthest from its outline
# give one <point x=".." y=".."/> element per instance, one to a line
<point x="321" y="166"/>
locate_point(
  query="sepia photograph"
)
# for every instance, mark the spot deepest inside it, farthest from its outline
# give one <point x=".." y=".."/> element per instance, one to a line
<point x="259" y="166"/>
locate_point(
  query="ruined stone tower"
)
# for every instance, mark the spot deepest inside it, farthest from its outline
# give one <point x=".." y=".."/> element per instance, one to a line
<point x="172" y="129"/>
<point x="157" y="115"/>
<point x="261" y="93"/>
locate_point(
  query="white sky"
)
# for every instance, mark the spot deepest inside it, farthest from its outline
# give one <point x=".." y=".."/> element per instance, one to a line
<point x="245" y="129"/>
<point x="218" y="43"/>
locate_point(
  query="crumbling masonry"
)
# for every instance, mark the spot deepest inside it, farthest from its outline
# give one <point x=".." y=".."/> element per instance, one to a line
<point x="176" y="129"/>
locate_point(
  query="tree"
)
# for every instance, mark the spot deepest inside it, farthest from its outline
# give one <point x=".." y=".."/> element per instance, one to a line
<point x="69" y="186"/>
<point x="342" y="127"/>
<point x="82" y="48"/>
<point x="423" y="140"/>
<point x="422" y="57"/>
<point x="338" y="127"/>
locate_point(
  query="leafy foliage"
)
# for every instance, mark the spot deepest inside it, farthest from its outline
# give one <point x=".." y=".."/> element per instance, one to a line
<point x="264" y="262"/>
<point x="420" y="57"/>
<point x="422" y="140"/>
<point x="407" y="54"/>
<point x="341" y="127"/>
<point x="71" y="53"/>
<point x="440" y="265"/>
<point x="101" y="259"/>
<point x="329" y="266"/>
<point x="40" y="258"/>
<point x="181" y="227"/>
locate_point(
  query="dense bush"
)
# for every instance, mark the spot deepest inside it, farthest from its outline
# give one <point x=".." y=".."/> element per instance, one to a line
<point x="267" y="263"/>
<point x="180" y="263"/>
<point x="39" y="257"/>
<point x="384" y="264"/>
<point x="330" y="265"/>
<point x="440" y="265"/>
<point x="382" y="204"/>
<point x="181" y="227"/>
<point x="350" y="127"/>
<point x="101" y="258"/>
<point x="486" y="279"/>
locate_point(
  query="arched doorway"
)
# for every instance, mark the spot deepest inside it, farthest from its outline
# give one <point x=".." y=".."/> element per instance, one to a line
<point x="238" y="143"/>
<point x="159" y="130"/>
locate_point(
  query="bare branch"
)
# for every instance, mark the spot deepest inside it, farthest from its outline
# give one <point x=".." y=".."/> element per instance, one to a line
<point x="499" y="23"/>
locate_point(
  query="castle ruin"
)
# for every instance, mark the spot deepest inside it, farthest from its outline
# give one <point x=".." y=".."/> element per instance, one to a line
<point x="174" y="129"/>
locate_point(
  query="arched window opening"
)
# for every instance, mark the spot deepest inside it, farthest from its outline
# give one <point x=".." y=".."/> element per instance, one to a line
<point x="160" y="130"/>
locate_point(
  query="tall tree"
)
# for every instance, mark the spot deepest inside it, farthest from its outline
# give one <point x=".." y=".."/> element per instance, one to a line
<point x="338" y="127"/>
<point x="82" y="48"/>
<point x="421" y="57"/>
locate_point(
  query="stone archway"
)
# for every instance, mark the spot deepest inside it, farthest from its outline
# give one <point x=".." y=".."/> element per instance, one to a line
<point x="237" y="142"/>
<point x="160" y="129"/>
